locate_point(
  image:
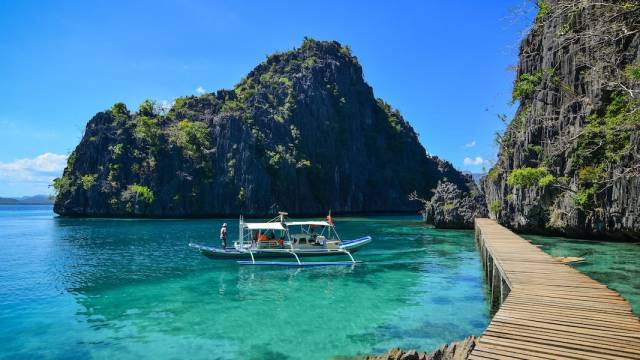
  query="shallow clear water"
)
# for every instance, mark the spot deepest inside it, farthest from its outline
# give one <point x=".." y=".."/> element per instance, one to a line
<point x="97" y="288"/>
<point x="615" y="264"/>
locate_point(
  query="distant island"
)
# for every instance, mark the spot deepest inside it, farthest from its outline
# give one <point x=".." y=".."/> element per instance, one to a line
<point x="27" y="200"/>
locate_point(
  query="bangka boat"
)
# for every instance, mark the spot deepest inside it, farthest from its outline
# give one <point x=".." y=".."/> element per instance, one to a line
<point x="280" y="238"/>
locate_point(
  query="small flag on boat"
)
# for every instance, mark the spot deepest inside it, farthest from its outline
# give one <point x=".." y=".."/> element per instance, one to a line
<point x="329" y="218"/>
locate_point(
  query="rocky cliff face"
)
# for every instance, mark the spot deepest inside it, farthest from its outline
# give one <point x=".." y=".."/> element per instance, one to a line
<point x="452" y="207"/>
<point x="302" y="132"/>
<point x="569" y="161"/>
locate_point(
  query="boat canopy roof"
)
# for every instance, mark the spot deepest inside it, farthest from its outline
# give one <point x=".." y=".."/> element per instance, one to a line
<point x="264" y="226"/>
<point x="316" y="223"/>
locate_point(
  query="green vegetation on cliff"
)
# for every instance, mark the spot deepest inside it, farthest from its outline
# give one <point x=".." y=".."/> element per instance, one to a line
<point x="191" y="136"/>
<point x="526" y="85"/>
<point x="142" y="193"/>
<point x="302" y="132"/>
<point x="573" y="143"/>
<point x="528" y="177"/>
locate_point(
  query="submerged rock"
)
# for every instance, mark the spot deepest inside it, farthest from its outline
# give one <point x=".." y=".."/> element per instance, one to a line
<point x="302" y="132"/>
<point x="459" y="350"/>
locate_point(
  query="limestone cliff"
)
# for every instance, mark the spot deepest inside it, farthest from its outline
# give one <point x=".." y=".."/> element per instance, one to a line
<point x="453" y="207"/>
<point x="569" y="160"/>
<point x="302" y="132"/>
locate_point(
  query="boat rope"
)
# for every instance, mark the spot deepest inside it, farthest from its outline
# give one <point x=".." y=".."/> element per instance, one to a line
<point x="297" y="258"/>
<point x="348" y="253"/>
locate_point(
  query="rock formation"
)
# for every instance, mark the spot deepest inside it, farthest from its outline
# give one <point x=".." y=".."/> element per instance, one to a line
<point x="455" y="351"/>
<point x="302" y="132"/>
<point x="569" y="161"/>
<point x="451" y="207"/>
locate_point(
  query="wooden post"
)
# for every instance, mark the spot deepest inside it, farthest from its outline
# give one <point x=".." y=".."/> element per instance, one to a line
<point x="495" y="286"/>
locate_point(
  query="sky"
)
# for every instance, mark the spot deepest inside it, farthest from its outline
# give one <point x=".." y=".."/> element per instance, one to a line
<point x="447" y="66"/>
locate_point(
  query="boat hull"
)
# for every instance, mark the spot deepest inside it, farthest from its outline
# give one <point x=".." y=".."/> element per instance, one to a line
<point x="232" y="253"/>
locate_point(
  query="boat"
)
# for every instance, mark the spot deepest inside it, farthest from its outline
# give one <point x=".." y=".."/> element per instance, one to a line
<point x="282" y="238"/>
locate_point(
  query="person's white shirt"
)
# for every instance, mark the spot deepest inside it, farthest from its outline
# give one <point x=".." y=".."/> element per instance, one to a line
<point x="223" y="233"/>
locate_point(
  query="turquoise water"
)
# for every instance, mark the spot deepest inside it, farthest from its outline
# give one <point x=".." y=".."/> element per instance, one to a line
<point x="615" y="264"/>
<point x="97" y="288"/>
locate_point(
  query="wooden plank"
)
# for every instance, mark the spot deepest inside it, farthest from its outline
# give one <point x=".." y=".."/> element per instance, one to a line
<point x="549" y="349"/>
<point x="519" y="353"/>
<point x="574" y="321"/>
<point x="552" y="311"/>
<point x="563" y="334"/>
<point x="488" y="351"/>
<point x="566" y="305"/>
<point x="502" y="355"/>
<point x="560" y="311"/>
<point x="567" y="329"/>
<point x="479" y="357"/>
<point x="568" y="311"/>
<point x="570" y="342"/>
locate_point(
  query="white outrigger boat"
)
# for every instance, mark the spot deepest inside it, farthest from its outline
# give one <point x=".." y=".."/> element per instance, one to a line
<point x="279" y="238"/>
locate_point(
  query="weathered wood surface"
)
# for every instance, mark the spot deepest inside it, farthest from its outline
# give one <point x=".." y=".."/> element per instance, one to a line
<point x="548" y="310"/>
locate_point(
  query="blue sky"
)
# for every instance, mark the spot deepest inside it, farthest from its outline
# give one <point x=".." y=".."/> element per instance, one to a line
<point x="444" y="65"/>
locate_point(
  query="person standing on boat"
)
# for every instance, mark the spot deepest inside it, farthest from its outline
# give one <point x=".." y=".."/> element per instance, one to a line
<point x="223" y="236"/>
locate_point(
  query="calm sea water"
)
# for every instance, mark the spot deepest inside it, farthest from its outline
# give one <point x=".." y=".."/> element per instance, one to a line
<point x="97" y="288"/>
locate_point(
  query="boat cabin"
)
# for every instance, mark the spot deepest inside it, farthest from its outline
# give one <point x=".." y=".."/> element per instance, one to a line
<point x="267" y="235"/>
<point x="305" y="234"/>
<point x="280" y="234"/>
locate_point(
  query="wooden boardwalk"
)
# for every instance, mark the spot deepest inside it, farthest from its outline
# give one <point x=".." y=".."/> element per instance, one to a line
<point x="548" y="310"/>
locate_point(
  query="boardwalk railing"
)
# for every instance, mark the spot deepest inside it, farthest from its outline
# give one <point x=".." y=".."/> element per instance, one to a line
<point x="548" y="310"/>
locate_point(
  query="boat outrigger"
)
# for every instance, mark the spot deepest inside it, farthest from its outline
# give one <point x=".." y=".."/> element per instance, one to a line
<point x="279" y="238"/>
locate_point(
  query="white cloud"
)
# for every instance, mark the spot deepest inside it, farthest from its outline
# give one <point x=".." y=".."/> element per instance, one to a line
<point x="200" y="90"/>
<point x="477" y="161"/>
<point x="471" y="144"/>
<point x="41" y="169"/>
